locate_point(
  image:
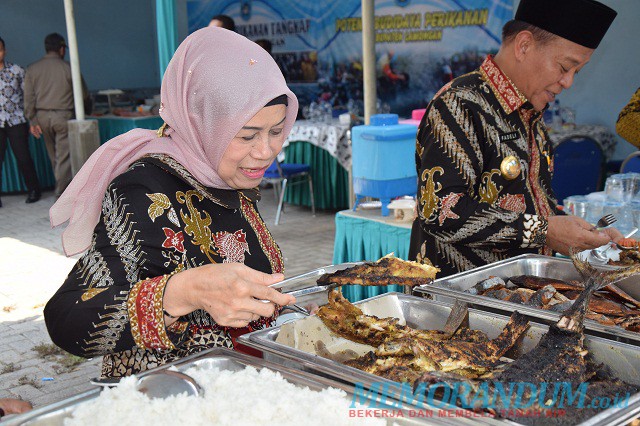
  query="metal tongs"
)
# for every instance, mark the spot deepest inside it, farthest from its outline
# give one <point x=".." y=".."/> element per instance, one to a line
<point x="288" y="286"/>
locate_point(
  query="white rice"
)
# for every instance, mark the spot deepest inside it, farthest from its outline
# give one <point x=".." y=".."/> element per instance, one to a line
<point x="247" y="397"/>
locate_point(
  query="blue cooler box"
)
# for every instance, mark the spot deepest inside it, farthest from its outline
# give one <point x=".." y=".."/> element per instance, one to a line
<point x="383" y="160"/>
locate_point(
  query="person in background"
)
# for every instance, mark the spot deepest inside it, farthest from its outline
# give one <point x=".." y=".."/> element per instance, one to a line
<point x="628" y="123"/>
<point x="13" y="406"/>
<point x="483" y="154"/>
<point x="48" y="102"/>
<point x="179" y="260"/>
<point x="265" y="44"/>
<point x="223" y="21"/>
<point x="13" y="125"/>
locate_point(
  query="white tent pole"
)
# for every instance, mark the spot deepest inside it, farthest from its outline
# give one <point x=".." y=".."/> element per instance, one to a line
<point x="369" y="58"/>
<point x="78" y="97"/>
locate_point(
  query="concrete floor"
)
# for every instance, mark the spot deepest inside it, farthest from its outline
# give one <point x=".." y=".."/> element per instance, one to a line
<point x="32" y="267"/>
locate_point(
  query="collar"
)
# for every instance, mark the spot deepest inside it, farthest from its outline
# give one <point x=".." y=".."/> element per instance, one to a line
<point x="510" y="98"/>
<point x="52" y="55"/>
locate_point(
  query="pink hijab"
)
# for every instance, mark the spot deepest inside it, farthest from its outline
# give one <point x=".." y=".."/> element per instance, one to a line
<point x="215" y="83"/>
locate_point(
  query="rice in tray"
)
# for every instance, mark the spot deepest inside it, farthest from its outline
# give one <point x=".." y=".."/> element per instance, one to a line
<point x="244" y="397"/>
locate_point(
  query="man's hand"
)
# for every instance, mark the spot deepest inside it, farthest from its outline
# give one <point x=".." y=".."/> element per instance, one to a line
<point x="14" y="406"/>
<point x="36" y="131"/>
<point x="565" y="232"/>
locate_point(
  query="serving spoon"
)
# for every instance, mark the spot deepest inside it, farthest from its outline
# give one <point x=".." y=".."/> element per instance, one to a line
<point x="159" y="384"/>
<point x="600" y="255"/>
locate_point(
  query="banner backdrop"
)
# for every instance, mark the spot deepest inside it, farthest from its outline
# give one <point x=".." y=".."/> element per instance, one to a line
<point x="420" y="44"/>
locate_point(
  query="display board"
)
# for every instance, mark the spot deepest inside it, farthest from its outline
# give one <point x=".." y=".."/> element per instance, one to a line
<point x="420" y="44"/>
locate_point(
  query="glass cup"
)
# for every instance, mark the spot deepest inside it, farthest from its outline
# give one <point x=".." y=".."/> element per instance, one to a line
<point x="635" y="213"/>
<point x="630" y="186"/>
<point x="614" y="188"/>
<point x="613" y="208"/>
<point x="581" y="208"/>
<point x="576" y="205"/>
<point x="596" y="208"/>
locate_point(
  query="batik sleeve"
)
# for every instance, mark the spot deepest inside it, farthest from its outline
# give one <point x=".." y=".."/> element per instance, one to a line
<point x="112" y="299"/>
<point x="459" y="202"/>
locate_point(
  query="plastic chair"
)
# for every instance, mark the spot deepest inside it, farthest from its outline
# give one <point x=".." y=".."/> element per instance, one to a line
<point x="282" y="175"/>
<point x="631" y="163"/>
<point x="578" y="163"/>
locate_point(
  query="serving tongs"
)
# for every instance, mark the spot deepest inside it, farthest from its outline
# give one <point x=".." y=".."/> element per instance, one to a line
<point x="294" y="287"/>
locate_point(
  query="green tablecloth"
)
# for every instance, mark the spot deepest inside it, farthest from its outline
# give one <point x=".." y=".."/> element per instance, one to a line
<point x="366" y="235"/>
<point x="12" y="180"/>
<point x="330" y="179"/>
<point x="109" y="128"/>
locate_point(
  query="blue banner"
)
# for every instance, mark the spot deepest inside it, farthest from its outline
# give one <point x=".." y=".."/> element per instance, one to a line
<point x="420" y="44"/>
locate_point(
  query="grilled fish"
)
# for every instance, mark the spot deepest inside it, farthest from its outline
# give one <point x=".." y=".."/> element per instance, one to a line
<point x="387" y="271"/>
<point x="560" y="356"/>
<point x="536" y="283"/>
<point x="348" y="321"/>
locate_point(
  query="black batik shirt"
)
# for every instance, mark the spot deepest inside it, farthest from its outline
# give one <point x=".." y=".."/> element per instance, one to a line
<point x="469" y="213"/>
<point x="156" y="219"/>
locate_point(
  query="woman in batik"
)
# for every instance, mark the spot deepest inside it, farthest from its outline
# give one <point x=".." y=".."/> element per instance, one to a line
<point x="177" y="256"/>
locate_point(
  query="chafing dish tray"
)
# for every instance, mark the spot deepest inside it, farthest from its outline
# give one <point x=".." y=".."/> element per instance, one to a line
<point x="293" y="345"/>
<point x="455" y="286"/>
<point x="224" y="359"/>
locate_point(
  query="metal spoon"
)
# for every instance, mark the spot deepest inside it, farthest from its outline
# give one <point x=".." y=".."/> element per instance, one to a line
<point x="165" y="383"/>
<point x="159" y="384"/>
<point x="600" y="255"/>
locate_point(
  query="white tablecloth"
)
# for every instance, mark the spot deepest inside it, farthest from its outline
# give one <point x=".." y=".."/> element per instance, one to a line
<point x="332" y="137"/>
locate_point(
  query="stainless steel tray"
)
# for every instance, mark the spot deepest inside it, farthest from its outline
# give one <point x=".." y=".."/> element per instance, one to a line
<point x="455" y="286"/>
<point x="222" y="359"/>
<point x="422" y="313"/>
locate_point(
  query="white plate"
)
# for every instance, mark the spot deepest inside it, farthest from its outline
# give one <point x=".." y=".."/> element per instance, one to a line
<point x="612" y="254"/>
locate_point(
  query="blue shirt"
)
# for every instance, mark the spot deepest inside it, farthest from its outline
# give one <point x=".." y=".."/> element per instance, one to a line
<point x="11" y="95"/>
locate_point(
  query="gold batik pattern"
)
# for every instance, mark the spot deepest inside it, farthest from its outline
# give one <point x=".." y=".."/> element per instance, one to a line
<point x="196" y="224"/>
<point x="428" y="199"/>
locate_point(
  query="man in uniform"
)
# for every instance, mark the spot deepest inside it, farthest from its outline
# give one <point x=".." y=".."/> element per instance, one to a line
<point x="483" y="155"/>
<point x="48" y="104"/>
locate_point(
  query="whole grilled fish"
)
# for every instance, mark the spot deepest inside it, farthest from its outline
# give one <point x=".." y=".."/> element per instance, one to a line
<point x="559" y="357"/>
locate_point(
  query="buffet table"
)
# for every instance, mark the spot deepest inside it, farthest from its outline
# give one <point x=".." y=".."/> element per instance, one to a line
<point x="327" y="149"/>
<point x="367" y="235"/>
<point x="109" y="127"/>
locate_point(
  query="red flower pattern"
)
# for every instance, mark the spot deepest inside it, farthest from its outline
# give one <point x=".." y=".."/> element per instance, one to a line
<point x="174" y="239"/>
<point x="448" y="203"/>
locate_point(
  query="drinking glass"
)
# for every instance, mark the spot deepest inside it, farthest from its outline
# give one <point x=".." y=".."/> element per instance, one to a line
<point x="581" y="208"/>
<point x="629" y="187"/>
<point x="614" y="208"/>
<point x="614" y="188"/>
<point x="635" y="213"/>
<point x="575" y="202"/>
<point x="596" y="208"/>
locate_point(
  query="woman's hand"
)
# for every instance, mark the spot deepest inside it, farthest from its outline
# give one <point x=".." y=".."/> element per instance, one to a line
<point x="230" y="292"/>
